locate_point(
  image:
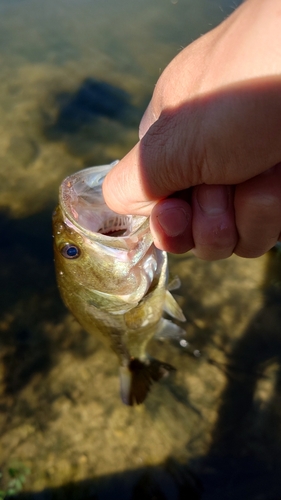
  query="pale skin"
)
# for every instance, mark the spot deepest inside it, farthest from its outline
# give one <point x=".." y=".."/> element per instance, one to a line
<point x="207" y="168"/>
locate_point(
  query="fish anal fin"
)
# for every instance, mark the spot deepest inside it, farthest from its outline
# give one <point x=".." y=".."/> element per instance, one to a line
<point x="137" y="378"/>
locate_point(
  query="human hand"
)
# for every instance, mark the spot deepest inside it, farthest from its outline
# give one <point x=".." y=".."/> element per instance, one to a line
<point x="207" y="168"/>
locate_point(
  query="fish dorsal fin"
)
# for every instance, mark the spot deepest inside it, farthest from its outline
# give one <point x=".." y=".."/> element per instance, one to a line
<point x="172" y="307"/>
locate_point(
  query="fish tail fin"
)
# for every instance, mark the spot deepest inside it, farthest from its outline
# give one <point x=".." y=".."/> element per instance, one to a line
<point x="137" y="378"/>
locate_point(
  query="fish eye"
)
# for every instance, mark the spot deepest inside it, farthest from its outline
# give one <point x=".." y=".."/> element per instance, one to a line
<point x="70" y="251"/>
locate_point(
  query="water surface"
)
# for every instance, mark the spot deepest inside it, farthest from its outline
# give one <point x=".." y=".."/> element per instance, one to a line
<point x="76" y="77"/>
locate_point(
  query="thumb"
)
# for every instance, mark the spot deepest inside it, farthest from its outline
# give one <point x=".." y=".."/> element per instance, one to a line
<point x="223" y="137"/>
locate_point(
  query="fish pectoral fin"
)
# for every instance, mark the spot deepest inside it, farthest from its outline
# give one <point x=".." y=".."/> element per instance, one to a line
<point x="172" y="307"/>
<point x="137" y="378"/>
<point x="174" y="283"/>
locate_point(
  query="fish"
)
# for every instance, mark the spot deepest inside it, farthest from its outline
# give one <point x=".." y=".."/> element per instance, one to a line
<point x="114" y="280"/>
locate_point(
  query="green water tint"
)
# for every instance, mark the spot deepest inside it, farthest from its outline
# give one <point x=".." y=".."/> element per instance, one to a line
<point x="50" y="54"/>
<point x="217" y="421"/>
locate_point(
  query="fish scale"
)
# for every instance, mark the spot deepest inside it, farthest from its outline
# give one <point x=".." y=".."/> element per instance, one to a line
<point x="113" y="279"/>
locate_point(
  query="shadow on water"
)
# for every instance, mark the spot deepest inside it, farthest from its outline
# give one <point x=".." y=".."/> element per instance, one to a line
<point x="94" y="99"/>
<point x="168" y="481"/>
<point x="92" y="116"/>
<point x="27" y="249"/>
<point x="27" y="278"/>
<point x="29" y="300"/>
<point x="245" y="458"/>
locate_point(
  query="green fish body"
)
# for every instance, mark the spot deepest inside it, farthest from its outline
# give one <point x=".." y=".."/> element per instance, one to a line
<point x="113" y="279"/>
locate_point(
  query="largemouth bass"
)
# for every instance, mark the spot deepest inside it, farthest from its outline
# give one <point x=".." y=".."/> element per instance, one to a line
<point x="113" y="279"/>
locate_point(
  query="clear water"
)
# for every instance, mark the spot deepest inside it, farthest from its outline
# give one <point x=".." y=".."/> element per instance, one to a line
<point x="211" y="431"/>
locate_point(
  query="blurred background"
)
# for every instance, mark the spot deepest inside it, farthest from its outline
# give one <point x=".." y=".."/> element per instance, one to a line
<point x="76" y="76"/>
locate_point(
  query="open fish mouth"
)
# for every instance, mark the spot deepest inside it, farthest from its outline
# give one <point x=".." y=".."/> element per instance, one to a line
<point x="115" y="226"/>
<point x="82" y="203"/>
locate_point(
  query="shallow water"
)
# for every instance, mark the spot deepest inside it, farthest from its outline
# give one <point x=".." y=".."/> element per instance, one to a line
<point x="75" y="79"/>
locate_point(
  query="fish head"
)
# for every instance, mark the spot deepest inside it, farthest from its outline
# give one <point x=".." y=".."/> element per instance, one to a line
<point x="98" y="249"/>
